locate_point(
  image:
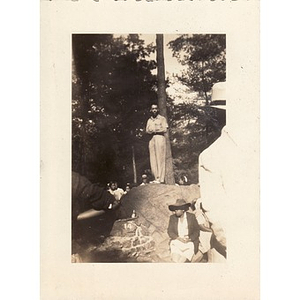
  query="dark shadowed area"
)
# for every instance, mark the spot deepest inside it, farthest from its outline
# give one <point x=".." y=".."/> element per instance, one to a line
<point x="106" y="241"/>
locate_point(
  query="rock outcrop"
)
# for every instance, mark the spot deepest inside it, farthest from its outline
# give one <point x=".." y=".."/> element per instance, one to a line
<point x="144" y="238"/>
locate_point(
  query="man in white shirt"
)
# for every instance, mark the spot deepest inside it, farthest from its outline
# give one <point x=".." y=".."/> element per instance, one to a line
<point x="157" y="127"/>
<point x="116" y="191"/>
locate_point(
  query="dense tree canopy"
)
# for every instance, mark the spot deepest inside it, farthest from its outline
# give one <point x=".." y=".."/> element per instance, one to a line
<point x="194" y="126"/>
<point x="193" y="129"/>
<point x="112" y="90"/>
<point x="204" y="56"/>
<point x="113" y="86"/>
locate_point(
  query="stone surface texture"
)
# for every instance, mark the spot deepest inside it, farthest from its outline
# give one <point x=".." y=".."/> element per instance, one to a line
<point x="144" y="238"/>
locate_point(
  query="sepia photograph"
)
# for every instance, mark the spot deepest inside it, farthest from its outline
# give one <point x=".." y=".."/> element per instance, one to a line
<point x="145" y="111"/>
<point x="150" y="150"/>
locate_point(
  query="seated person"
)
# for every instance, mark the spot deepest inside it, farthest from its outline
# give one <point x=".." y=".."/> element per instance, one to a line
<point x="127" y="188"/>
<point x="208" y="238"/>
<point x="183" y="230"/>
<point x="144" y="179"/>
<point x="204" y="225"/>
<point x="115" y="190"/>
<point x="182" y="180"/>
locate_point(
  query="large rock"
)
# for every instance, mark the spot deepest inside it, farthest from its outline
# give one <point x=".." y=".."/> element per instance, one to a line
<point x="140" y="239"/>
<point x="150" y="203"/>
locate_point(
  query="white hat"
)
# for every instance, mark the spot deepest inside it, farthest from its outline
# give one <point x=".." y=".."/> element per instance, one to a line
<point x="218" y="95"/>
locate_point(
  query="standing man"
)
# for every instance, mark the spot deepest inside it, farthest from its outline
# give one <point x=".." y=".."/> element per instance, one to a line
<point x="157" y="127"/>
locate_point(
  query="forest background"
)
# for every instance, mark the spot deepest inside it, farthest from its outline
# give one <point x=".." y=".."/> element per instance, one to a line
<point x="114" y="82"/>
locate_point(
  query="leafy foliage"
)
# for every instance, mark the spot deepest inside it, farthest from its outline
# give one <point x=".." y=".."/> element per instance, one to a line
<point x="193" y="129"/>
<point x="112" y="90"/>
<point x="194" y="126"/>
<point x="204" y="56"/>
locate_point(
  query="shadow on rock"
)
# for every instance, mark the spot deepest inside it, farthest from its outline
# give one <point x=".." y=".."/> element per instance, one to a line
<point x="140" y="239"/>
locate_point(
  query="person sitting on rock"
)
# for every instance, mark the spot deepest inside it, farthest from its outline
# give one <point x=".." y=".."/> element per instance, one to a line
<point x="182" y="180"/>
<point x="127" y="188"/>
<point x="115" y="190"/>
<point x="144" y="179"/>
<point x="205" y="230"/>
<point x="212" y="239"/>
<point x="183" y="229"/>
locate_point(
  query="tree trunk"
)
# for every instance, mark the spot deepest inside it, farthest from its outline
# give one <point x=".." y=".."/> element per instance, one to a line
<point x="134" y="165"/>
<point x="162" y="104"/>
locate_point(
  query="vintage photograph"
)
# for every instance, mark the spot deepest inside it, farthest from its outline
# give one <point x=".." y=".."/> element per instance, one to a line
<point x="148" y="133"/>
<point x="150" y="160"/>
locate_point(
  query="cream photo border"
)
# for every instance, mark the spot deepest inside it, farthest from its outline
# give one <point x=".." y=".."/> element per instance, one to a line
<point x="238" y="278"/>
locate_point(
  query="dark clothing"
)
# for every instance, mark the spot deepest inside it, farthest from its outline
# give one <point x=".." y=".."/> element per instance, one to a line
<point x="193" y="229"/>
<point x="218" y="246"/>
<point x="86" y="195"/>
